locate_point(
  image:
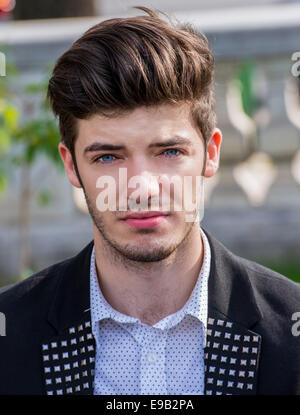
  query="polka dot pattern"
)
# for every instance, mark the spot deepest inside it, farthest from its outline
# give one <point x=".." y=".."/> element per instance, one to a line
<point x="133" y="358"/>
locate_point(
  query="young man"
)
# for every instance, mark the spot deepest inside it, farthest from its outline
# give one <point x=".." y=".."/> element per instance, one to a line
<point x="153" y="304"/>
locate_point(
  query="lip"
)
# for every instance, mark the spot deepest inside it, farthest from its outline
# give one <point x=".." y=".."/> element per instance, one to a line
<point x="145" y="219"/>
<point x="144" y="215"/>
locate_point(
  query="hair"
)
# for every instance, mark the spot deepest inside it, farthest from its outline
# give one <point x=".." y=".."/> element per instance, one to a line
<point x="121" y="64"/>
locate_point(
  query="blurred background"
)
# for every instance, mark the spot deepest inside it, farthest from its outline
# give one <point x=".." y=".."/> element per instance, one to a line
<point x="252" y="203"/>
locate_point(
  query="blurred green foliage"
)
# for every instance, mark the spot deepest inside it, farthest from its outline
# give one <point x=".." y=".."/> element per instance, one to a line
<point x="30" y="136"/>
<point x="245" y="75"/>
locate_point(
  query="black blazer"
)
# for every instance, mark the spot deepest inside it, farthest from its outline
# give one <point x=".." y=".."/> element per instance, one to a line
<point x="49" y="347"/>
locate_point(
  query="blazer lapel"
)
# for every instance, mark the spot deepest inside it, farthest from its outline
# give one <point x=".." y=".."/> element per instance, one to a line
<point x="69" y="361"/>
<point x="231" y="358"/>
<point x="69" y="356"/>
<point x="232" y="347"/>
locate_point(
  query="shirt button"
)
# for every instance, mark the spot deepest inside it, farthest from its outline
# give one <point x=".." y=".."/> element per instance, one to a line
<point x="151" y="357"/>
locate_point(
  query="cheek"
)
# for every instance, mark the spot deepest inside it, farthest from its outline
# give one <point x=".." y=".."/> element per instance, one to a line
<point x="92" y="190"/>
<point x="194" y="165"/>
<point x="191" y="181"/>
<point x="96" y="183"/>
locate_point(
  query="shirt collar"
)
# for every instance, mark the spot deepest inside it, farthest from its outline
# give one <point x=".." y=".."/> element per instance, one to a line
<point x="196" y="305"/>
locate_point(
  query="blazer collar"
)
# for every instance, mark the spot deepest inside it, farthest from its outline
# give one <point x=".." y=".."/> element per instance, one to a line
<point x="72" y="295"/>
<point x="230" y="293"/>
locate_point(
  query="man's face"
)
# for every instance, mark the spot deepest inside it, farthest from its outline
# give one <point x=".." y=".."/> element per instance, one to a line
<point x="150" y="144"/>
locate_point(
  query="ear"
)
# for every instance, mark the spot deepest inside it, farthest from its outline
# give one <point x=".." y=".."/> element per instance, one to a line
<point x="213" y="153"/>
<point x="69" y="164"/>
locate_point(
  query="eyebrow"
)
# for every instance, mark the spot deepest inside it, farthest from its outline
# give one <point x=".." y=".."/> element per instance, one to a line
<point x="176" y="140"/>
<point x="98" y="146"/>
<point x="104" y="147"/>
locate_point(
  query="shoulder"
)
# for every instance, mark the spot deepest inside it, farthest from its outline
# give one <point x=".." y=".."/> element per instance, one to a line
<point x="278" y="299"/>
<point x="271" y="287"/>
<point x="37" y="291"/>
<point x="243" y="277"/>
<point x="39" y="286"/>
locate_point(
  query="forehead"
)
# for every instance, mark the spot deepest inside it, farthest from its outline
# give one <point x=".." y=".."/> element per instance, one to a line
<point x="148" y="123"/>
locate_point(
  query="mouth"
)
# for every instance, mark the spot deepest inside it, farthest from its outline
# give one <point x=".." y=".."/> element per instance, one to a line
<point x="145" y="219"/>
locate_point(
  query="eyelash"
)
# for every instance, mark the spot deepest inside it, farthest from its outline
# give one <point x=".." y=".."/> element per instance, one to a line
<point x="98" y="159"/>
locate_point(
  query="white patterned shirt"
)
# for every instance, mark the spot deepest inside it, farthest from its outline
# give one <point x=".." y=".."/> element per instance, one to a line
<point x="133" y="358"/>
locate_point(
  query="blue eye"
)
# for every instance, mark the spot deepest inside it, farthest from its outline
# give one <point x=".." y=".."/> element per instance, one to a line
<point x="172" y="152"/>
<point x="106" y="158"/>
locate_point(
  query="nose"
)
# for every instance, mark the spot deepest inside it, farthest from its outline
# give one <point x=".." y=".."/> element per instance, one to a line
<point x="143" y="191"/>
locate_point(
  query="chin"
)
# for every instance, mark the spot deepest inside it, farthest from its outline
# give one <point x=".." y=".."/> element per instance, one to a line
<point x="149" y="255"/>
<point x="145" y="248"/>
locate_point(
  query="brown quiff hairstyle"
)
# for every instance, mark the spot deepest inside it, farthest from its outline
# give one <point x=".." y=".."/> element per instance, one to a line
<point x="124" y="63"/>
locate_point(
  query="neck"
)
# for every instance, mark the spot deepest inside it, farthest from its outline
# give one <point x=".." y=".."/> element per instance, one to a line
<point x="149" y="291"/>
